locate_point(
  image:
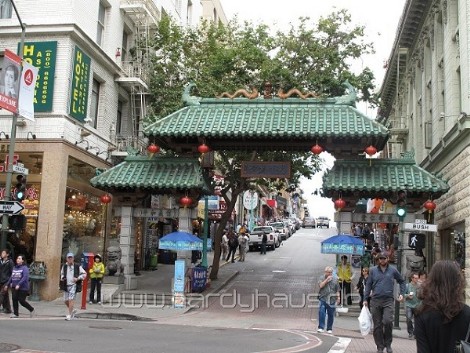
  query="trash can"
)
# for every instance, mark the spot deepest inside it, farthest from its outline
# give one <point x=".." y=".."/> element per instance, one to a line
<point x="154" y="262"/>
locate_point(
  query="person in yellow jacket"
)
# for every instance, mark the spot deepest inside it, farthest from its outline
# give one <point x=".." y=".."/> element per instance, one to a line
<point x="344" y="272"/>
<point x="96" y="275"/>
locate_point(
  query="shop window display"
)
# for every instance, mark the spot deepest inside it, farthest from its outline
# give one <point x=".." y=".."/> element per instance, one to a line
<point x="83" y="223"/>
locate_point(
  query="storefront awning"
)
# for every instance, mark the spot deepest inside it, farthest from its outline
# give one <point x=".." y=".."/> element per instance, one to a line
<point x="157" y="175"/>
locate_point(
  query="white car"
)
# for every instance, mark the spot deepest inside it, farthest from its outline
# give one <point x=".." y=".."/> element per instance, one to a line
<point x="281" y="229"/>
<point x="256" y="236"/>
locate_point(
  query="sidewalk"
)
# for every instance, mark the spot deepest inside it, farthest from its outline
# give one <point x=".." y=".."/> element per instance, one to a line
<point x="158" y="283"/>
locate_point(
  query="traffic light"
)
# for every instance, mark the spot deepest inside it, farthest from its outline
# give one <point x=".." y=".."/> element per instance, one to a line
<point x="401" y="212"/>
<point x="20" y="193"/>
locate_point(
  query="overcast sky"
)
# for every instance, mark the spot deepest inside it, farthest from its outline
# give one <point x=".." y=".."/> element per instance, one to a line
<point x="380" y="18"/>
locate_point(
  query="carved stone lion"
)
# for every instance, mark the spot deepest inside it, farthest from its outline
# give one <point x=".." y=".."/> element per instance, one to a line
<point x="414" y="264"/>
<point x="114" y="261"/>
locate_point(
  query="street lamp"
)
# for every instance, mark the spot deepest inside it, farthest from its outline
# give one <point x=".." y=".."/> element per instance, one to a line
<point x="11" y="150"/>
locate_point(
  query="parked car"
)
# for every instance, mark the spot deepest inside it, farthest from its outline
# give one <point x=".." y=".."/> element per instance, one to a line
<point x="323" y="222"/>
<point x="290" y="225"/>
<point x="256" y="235"/>
<point x="309" y="222"/>
<point x="297" y="222"/>
<point x="281" y="229"/>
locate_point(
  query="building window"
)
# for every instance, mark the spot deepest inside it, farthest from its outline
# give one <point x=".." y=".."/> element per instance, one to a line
<point x="125" y="39"/>
<point x="5" y="9"/>
<point x="100" y="29"/>
<point x="119" y="118"/>
<point x="428" y="135"/>
<point x="95" y="98"/>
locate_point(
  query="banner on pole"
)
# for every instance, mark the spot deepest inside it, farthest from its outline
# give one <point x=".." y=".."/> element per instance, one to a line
<point x="9" y="81"/>
<point x="27" y="86"/>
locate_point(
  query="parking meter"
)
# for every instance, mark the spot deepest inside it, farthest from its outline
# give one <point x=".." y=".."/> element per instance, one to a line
<point x="86" y="261"/>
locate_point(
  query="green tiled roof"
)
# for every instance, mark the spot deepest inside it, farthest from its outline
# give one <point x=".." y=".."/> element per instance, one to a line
<point x="268" y="124"/>
<point x="157" y="174"/>
<point x="381" y="176"/>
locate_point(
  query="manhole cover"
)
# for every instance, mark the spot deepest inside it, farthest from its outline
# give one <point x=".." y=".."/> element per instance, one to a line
<point x="105" y="327"/>
<point x="8" y="347"/>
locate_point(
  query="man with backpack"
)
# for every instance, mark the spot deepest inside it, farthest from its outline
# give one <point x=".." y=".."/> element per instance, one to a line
<point x="71" y="276"/>
<point x="264" y="242"/>
<point x="232" y="245"/>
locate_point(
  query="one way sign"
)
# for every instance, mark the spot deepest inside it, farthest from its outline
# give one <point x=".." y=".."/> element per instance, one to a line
<point x="10" y="207"/>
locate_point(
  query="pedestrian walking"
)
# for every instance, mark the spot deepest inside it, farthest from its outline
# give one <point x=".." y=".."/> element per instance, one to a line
<point x="232" y="245"/>
<point x="379" y="287"/>
<point x="344" y="272"/>
<point x="224" y="245"/>
<point x="328" y="295"/>
<point x="264" y="242"/>
<point x="412" y="302"/>
<point x="96" y="278"/>
<point x="72" y="276"/>
<point x="361" y="284"/>
<point x="19" y="284"/>
<point x="6" y="268"/>
<point x="443" y="317"/>
<point x="242" y="244"/>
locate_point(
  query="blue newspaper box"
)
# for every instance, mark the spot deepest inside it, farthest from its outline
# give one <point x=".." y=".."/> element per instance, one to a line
<point x="87" y="260"/>
<point x="199" y="279"/>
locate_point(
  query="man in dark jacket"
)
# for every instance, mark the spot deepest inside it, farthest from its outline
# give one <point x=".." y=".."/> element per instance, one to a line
<point x="380" y="288"/>
<point x="6" y="267"/>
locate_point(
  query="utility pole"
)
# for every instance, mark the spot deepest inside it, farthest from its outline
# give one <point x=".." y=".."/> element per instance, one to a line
<point x="11" y="148"/>
<point x="401" y="213"/>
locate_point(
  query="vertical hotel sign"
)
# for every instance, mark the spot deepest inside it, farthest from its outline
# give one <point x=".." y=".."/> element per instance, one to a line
<point x="80" y="84"/>
<point x="43" y="56"/>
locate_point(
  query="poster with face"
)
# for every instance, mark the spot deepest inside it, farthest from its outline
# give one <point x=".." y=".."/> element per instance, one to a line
<point x="9" y="81"/>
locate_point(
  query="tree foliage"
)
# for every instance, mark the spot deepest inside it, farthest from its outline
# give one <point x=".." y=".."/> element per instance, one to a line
<point x="310" y="56"/>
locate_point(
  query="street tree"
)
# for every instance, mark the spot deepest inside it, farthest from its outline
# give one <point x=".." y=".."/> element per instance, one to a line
<point x="312" y="56"/>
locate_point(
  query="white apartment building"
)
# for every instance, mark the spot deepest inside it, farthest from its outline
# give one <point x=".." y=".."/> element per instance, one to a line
<point x="91" y="98"/>
<point x="426" y="96"/>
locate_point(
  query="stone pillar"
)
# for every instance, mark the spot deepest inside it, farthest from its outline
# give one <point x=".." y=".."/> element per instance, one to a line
<point x="184" y="225"/>
<point x="127" y="243"/>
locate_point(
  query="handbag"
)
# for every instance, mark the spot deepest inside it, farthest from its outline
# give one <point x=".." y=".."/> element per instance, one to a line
<point x="463" y="346"/>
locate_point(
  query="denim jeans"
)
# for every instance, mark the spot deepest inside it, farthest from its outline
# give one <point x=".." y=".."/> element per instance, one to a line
<point x="323" y="311"/>
<point x="409" y="320"/>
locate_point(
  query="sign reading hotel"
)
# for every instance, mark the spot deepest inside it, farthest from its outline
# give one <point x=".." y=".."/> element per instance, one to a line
<point x="43" y="56"/>
<point x="9" y="81"/>
<point x="80" y="84"/>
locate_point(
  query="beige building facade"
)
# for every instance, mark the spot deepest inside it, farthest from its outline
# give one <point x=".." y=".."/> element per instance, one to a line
<point x="91" y="99"/>
<point x="426" y="102"/>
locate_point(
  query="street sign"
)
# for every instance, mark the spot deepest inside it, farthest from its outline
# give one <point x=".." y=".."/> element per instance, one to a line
<point x="10" y="207"/>
<point x="20" y="170"/>
<point x="421" y="227"/>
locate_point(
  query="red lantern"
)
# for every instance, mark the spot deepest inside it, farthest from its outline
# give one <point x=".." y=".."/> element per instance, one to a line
<point x="316" y="149"/>
<point x="430" y="205"/>
<point x="339" y="204"/>
<point x="371" y="150"/>
<point x="203" y="148"/>
<point x="185" y="201"/>
<point x="153" y="148"/>
<point x="106" y="198"/>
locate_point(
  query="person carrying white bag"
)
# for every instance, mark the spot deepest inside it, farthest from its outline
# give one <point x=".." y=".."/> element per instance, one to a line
<point x="365" y="321"/>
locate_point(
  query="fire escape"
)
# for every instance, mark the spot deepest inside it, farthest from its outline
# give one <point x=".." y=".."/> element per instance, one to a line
<point x="135" y="74"/>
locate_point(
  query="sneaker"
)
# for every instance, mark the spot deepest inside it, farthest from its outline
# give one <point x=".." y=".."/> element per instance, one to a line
<point x="330" y="332"/>
<point x="90" y="302"/>
<point x="99" y="303"/>
<point x="74" y="311"/>
<point x="13" y="316"/>
<point x="320" y="330"/>
<point x="68" y="317"/>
